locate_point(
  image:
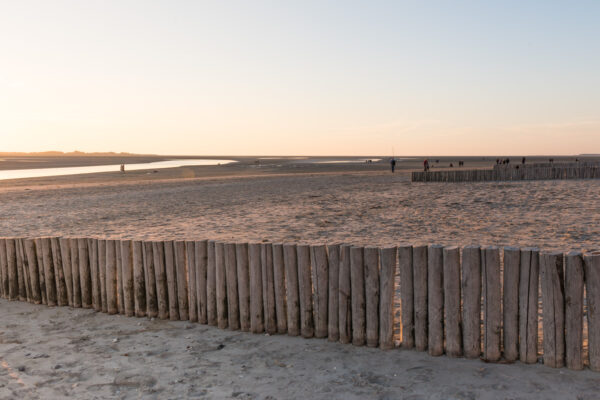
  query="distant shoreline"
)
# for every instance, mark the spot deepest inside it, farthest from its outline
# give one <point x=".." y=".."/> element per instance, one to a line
<point x="53" y="153"/>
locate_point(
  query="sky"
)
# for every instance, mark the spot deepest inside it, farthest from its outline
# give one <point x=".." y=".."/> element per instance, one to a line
<point x="301" y="77"/>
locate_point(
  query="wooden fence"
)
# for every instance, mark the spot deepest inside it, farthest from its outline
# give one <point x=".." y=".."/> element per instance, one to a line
<point x="472" y="302"/>
<point x="518" y="172"/>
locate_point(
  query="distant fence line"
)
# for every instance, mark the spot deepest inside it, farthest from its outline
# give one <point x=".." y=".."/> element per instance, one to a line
<point x="472" y="302"/>
<point x="516" y="172"/>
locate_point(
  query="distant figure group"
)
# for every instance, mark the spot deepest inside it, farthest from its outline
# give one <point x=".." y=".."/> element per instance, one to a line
<point x="503" y="162"/>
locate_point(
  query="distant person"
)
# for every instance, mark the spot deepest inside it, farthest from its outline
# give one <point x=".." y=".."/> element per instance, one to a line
<point x="393" y="164"/>
<point x="122" y="168"/>
<point x="551" y="160"/>
<point x="426" y="165"/>
<point x="451" y="165"/>
<point x="523" y="161"/>
<point x="497" y="161"/>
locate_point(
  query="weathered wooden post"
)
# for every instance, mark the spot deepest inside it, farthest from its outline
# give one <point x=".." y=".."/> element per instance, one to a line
<point x="49" y="271"/>
<point x="243" y="279"/>
<point x="102" y="273"/>
<point x="471" y="290"/>
<point x="256" y="296"/>
<point x="492" y="302"/>
<point x="85" y="275"/>
<point x="405" y="267"/>
<point x="268" y="287"/>
<point x="345" y="297"/>
<point x="553" y="307"/>
<point x="307" y="328"/>
<point x="94" y="274"/>
<point x="171" y="274"/>
<point x="386" y="300"/>
<point x="139" y="279"/>
<point x="279" y="277"/>
<point x="221" y="285"/>
<point x="452" y="317"/>
<point x="371" y="268"/>
<point x="111" y="277"/>
<point x="333" y="301"/>
<point x="127" y="270"/>
<point x="65" y="251"/>
<point x="211" y="284"/>
<point x="190" y="252"/>
<point x="574" y="310"/>
<point x="510" y="301"/>
<point x="120" y="296"/>
<point x="4" y="268"/>
<point x="435" y="299"/>
<point x="320" y="275"/>
<point x="592" y="282"/>
<point x="201" y="265"/>
<point x="22" y="279"/>
<point x="162" y="287"/>
<point x="150" y="275"/>
<point x="13" y="278"/>
<point x="33" y="270"/>
<point x="292" y="291"/>
<point x="59" y="276"/>
<point x="357" y="281"/>
<point x="74" y="251"/>
<point x="24" y="269"/>
<point x="181" y="274"/>
<point x="419" y="257"/>
<point x="233" y="304"/>
<point x="528" y="305"/>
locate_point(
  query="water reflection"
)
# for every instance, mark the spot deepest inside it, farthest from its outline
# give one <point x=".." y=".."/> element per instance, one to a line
<point x="43" y="172"/>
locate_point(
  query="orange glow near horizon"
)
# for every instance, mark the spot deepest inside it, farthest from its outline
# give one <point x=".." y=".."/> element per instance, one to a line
<point x="264" y="79"/>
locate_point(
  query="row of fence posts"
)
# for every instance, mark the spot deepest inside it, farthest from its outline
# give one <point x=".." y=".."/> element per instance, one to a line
<point x="472" y="303"/>
<point x="508" y="173"/>
<point x="562" y="164"/>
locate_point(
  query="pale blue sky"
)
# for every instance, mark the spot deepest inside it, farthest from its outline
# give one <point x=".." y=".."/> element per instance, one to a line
<point x="282" y="77"/>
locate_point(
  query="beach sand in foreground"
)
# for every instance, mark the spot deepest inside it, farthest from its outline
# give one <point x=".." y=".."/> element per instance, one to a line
<point x="76" y="353"/>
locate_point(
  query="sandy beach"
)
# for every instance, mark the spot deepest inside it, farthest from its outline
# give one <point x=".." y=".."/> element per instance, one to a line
<point x="62" y="352"/>
<point x="49" y="353"/>
<point x="303" y="202"/>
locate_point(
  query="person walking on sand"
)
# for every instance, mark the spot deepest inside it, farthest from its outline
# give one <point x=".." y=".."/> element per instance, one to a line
<point x="393" y="164"/>
<point x="426" y="165"/>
